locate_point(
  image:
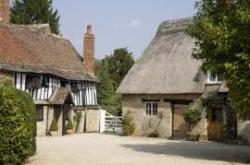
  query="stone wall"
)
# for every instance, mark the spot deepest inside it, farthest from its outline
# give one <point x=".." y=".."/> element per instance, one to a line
<point x="244" y="130"/>
<point x="202" y="125"/>
<point x="162" y="122"/>
<point x="92" y="120"/>
<point x="42" y="125"/>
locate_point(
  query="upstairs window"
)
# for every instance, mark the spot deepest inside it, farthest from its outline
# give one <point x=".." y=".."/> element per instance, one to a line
<point x="151" y="108"/>
<point x="32" y="82"/>
<point x="212" y="78"/>
<point x="45" y="82"/>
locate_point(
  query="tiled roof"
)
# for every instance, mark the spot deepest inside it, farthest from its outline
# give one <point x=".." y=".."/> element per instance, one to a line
<point x="34" y="49"/>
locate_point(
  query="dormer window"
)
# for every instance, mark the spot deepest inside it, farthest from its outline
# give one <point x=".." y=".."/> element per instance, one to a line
<point x="213" y="78"/>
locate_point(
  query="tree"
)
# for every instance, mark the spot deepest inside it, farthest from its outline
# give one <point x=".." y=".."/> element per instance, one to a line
<point x="35" y="12"/>
<point x="105" y="86"/>
<point x="221" y="29"/>
<point x="119" y="64"/>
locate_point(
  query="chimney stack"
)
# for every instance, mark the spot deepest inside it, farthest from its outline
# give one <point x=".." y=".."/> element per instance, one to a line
<point x="89" y="50"/>
<point x="4" y="11"/>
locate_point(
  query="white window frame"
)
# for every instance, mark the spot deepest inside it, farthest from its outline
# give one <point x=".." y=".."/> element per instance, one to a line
<point x="213" y="79"/>
<point x="153" y="111"/>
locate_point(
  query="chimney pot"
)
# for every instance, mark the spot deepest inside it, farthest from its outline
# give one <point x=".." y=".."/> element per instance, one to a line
<point x="89" y="29"/>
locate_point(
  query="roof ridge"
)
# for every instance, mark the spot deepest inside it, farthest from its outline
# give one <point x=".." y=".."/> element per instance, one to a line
<point x="175" y="25"/>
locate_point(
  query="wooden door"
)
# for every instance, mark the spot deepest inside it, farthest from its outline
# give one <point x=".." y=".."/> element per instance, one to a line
<point x="215" y="123"/>
<point x="180" y="126"/>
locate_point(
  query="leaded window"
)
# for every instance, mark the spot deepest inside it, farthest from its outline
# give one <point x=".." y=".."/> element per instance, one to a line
<point x="151" y="108"/>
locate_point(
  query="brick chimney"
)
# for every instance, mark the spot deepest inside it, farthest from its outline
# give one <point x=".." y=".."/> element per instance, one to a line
<point x="4" y="11"/>
<point x="89" y="50"/>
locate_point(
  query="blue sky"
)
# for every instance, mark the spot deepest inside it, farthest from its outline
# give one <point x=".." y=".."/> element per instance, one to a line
<point x="118" y="23"/>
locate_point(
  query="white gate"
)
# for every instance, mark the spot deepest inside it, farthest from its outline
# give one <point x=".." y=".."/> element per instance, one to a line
<point x="110" y="123"/>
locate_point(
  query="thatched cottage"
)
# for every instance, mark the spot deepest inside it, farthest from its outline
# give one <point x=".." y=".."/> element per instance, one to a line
<point x="48" y="67"/>
<point x="166" y="81"/>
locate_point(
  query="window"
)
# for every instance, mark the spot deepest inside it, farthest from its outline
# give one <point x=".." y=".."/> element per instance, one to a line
<point x="212" y="78"/>
<point x="64" y="83"/>
<point x="151" y="108"/>
<point x="45" y="82"/>
<point x="32" y="82"/>
<point x="39" y="113"/>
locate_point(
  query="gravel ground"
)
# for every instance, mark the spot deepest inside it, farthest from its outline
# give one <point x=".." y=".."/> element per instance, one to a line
<point x="102" y="149"/>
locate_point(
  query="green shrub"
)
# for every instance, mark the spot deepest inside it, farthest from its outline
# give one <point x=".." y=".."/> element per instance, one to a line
<point x="54" y="126"/>
<point x="128" y="125"/>
<point x="77" y="120"/>
<point x="7" y="82"/>
<point x="192" y="116"/>
<point x="193" y="136"/>
<point x="17" y="126"/>
<point x="69" y="125"/>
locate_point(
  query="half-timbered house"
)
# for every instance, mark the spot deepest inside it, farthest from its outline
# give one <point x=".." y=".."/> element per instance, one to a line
<point x="49" y="68"/>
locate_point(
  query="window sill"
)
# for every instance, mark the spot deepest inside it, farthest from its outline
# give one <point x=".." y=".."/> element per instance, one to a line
<point x="214" y="83"/>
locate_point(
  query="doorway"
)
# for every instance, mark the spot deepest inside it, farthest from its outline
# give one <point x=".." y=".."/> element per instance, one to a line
<point x="215" y="123"/>
<point x="180" y="126"/>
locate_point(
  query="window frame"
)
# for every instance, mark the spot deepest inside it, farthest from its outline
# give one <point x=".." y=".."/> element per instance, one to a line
<point x="151" y="108"/>
<point x="212" y="78"/>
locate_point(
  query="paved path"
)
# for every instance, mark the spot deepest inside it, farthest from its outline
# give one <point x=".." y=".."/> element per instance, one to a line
<point x="96" y="149"/>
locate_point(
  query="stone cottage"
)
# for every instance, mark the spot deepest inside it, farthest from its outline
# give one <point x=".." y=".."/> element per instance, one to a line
<point x="166" y="81"/>
<point x="47" y="66"/>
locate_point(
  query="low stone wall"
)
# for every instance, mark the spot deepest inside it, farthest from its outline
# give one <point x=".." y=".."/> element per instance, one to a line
<point x="92" y="120"/>
<point x="244" y="130"/>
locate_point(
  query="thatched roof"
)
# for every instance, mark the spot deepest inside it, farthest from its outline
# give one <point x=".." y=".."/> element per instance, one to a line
<point x="34" y="49"/>
<point x="166" y="66"/>
<point x="60" y="96"/>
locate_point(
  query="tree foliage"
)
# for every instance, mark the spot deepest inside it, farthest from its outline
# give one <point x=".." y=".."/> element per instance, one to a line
<point x="221" y="29"/>
<point x="192" y="116"/>
<point x="119" y="64"/>
<point x="105" y="86"/>
<point x="111" y="70"/>
<point x="35" y="12"/>
<point x="17" y="126"/>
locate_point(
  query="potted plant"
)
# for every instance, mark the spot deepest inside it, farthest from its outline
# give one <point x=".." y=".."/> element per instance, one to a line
<point x="69" y="127"/>
<point x="192" y="116"/>
<point x="53" y="128"/>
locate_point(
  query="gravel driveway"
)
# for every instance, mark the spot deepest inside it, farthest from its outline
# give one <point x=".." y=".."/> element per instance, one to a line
<point x="102" y="149"/>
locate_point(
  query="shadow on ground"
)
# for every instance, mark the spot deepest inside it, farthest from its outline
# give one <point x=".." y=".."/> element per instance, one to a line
<point x="197" y="150"/>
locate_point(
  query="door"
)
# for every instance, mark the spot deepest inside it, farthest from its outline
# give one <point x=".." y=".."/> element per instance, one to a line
<point x="215" y="123"/>
<point x="180" y="126"/>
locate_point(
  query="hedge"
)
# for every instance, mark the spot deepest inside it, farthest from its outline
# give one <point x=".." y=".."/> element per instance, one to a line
<point x="17" y="126"/>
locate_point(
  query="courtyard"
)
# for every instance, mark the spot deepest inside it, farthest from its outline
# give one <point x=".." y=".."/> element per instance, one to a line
<point x="102" y="149"/>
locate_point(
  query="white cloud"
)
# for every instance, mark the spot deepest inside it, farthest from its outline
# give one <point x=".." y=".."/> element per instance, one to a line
<point x="133" y="24"/>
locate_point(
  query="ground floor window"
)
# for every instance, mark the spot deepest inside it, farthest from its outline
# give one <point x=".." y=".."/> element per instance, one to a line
<point x="39" y="113"/>
<point x="151" y="108"/>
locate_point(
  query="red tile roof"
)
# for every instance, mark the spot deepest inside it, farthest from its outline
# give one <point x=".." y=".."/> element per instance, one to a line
<point x="34" y="49"/>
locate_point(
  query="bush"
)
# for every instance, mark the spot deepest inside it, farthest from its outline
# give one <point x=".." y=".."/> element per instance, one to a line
<point x="69" y="125"/>
<point x="77" y="120"/>
<point x="192" y="116"/>
<point x="128" y="125"/>
<point x="54" y="126"/>
<point x="193" y="137"/>
<point x="17" y="126"/>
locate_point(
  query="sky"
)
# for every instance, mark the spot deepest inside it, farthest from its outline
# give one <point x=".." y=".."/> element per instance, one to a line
<point x="118" y="23"/>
